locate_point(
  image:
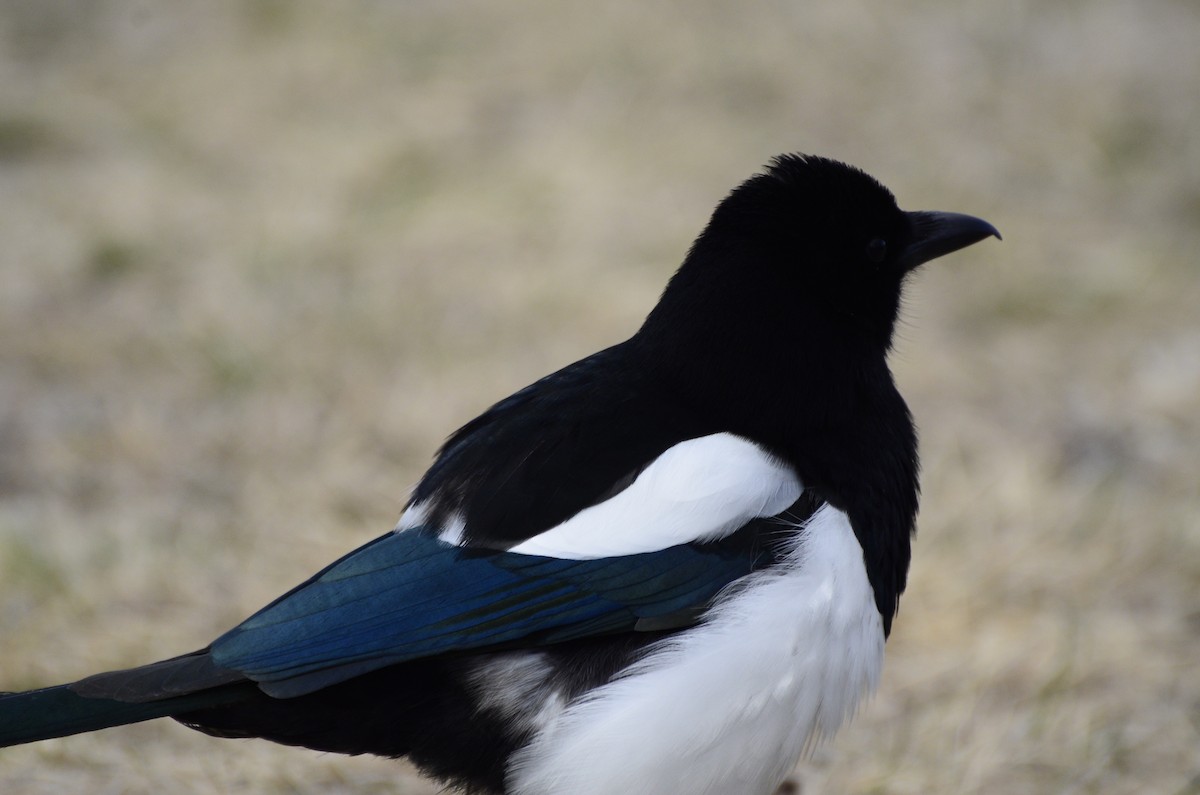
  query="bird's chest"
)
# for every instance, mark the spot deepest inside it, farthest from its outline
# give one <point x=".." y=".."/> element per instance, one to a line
<point x="730" y="705"/>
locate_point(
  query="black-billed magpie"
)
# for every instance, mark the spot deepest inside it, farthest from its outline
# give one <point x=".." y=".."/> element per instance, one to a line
<point x="666" y="568"/>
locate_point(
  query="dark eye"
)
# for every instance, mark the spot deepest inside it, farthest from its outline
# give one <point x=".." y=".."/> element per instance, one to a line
<point x="877" y="250"/>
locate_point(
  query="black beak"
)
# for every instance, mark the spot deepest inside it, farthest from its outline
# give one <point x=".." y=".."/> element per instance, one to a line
<point x="935" y="234"/>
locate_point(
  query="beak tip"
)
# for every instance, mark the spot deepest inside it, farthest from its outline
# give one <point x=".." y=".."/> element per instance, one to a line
<point x="939" y="233"/>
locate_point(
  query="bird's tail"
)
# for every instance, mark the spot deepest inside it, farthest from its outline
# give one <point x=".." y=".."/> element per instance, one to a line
<point x="159" y="690"/>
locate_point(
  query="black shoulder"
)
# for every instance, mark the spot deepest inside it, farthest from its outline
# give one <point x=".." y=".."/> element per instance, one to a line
<point x="562" y="444"/>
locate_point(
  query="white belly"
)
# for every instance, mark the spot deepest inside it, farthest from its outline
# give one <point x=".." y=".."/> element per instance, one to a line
<point x="727" y="708"/>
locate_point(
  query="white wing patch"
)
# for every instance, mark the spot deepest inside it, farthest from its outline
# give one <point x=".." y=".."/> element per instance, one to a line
<point x="699" y="490"/>
<point x="415" y="515"/>
<point x="780" y="661"/>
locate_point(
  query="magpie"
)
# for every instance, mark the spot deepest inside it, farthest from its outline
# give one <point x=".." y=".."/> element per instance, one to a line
<point x="669" y="567"/>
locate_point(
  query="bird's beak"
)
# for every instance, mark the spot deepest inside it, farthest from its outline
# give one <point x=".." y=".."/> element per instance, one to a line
<point x="935" y="234"/>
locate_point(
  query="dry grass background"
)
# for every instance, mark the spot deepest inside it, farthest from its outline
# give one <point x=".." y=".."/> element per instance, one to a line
<point x="258" y="258"/>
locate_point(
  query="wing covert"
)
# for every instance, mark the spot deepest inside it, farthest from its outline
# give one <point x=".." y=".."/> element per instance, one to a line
<point x="409" y="595"/>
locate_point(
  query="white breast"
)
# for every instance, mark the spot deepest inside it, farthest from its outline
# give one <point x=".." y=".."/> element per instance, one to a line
<point x="727" y="708"/>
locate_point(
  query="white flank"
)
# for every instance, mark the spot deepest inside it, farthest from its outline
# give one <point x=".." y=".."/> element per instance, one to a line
<point x="698" y="490"/>
<point x="727" y="708"/>
<point x="512" y="685"/>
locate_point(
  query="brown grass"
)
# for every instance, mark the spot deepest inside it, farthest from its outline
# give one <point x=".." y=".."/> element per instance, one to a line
<point x="257" y="258"/>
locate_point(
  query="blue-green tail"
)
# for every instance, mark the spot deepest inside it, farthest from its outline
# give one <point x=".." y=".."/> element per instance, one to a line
<point x="58" y="712"/>
<point x="159" y="690"/>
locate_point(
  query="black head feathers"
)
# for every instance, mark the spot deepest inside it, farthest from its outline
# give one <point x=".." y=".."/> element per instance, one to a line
<point x="810" y="235"/>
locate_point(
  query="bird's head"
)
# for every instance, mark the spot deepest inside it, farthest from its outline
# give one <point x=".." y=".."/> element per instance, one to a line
<point x="814" y="245"/>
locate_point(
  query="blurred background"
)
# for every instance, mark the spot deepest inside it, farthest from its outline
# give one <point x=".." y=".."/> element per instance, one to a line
<point x="258" y="258"/>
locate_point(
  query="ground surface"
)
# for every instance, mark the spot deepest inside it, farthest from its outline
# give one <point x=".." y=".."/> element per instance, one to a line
<point x="258" y="258"/>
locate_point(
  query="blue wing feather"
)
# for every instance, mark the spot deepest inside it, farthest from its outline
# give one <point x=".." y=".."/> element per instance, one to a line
<point x="409" y="595"/>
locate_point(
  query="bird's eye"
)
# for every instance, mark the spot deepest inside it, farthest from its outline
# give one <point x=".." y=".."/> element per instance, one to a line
<point x="877" y="250"/>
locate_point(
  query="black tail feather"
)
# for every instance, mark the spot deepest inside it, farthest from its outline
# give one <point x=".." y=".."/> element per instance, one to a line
<point x="178" y="676"/>
<point x="60" y="711"/>
<point x="158" y="690"/>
